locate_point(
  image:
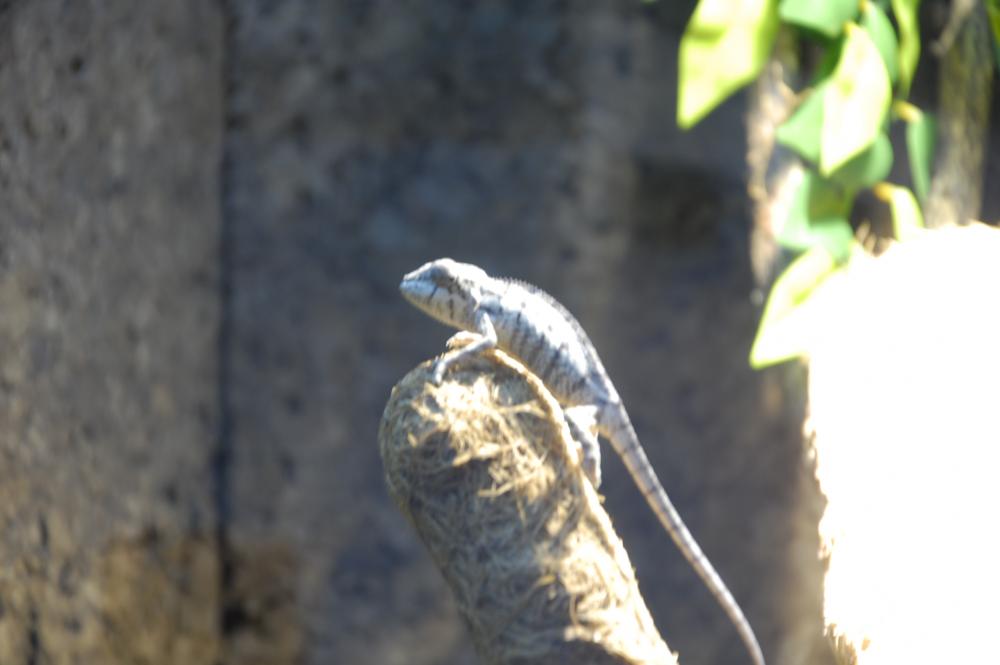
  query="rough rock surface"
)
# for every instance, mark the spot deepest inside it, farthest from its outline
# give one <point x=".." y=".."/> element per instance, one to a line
<point x="110" y="120"/>
<point x="195" y="359"/>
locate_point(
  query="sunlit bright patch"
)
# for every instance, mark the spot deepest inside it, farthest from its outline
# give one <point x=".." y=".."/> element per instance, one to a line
<point x="904" y="394"/>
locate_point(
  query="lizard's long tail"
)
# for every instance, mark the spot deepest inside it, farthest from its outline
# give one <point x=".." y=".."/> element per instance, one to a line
<point x="627" y="445"/>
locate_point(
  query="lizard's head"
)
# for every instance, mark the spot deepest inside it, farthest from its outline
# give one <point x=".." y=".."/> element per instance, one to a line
<point x="444" y="289"/>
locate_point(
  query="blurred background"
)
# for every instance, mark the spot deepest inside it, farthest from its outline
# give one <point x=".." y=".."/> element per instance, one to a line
<point x="205" y="212"/>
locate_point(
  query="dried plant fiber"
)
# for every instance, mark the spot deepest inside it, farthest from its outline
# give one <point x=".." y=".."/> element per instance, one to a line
<point x="484" y="468"/>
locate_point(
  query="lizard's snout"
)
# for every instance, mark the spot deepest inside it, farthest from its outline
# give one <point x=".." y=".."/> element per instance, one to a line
<point x="415" y="289"/>
<point x="418" y="286"/>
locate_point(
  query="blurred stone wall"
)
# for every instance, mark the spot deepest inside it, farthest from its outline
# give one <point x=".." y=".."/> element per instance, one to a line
<point x="205" y="210"/>
<point x="110" y="141"/>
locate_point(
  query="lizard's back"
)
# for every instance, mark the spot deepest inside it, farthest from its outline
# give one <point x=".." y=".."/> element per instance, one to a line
<point x="550" y="342"/>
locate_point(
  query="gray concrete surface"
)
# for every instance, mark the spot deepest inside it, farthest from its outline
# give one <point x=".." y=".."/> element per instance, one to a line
<point x="205" y="209"/>
<point x="110" y="138"/>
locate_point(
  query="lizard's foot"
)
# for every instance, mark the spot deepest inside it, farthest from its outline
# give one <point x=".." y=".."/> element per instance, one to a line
<point x="460" y="340"/>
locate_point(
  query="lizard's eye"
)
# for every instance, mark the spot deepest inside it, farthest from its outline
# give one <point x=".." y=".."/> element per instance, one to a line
<point x="439" y="276"/>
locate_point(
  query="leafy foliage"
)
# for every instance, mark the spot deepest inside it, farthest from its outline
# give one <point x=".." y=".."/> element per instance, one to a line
<point x="788" y="322"/>
<point x="818" y="217"/>
<point x="866" y="168"/>
<point x="724" y="47"/>
<point x="879" y="29"/>
<point x="907" y="220"/>
<point x="856" y="101"/>
<point x="801" y="132"/>
<point x="921" y="131"/>
<point x="905" y="12"/>
<point x="839" y="129"/>
<point x="826" y="17"/>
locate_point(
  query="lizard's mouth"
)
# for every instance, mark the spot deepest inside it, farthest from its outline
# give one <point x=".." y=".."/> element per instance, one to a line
<point x="417" y="289"/>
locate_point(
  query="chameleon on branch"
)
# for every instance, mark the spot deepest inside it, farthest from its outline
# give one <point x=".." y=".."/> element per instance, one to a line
<point x="530" y="324"/>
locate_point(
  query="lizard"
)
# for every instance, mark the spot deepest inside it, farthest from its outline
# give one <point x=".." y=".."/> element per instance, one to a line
<point x="528" y="323"/>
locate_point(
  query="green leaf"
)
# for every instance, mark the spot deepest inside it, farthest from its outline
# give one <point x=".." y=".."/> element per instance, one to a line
<point x="921" y="135"/>
<point x="725" y="46"/>
<point x="801" y="131"/>
<point x="867" y="168"/>
<point x="789" y="320"/>
<point x="993" y="12"/>
<point x="879" y="28"/>
<point x="826" y="16"/>
<point x="907" y="221"/>
<point x="817" y="216"/>
<point x="831" y="56"/>
<point x="905" y="12"/>
<point x="856" y="102"/>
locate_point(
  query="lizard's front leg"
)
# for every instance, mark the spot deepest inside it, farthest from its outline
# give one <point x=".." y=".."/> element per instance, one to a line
<point x="487" y="340"/>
